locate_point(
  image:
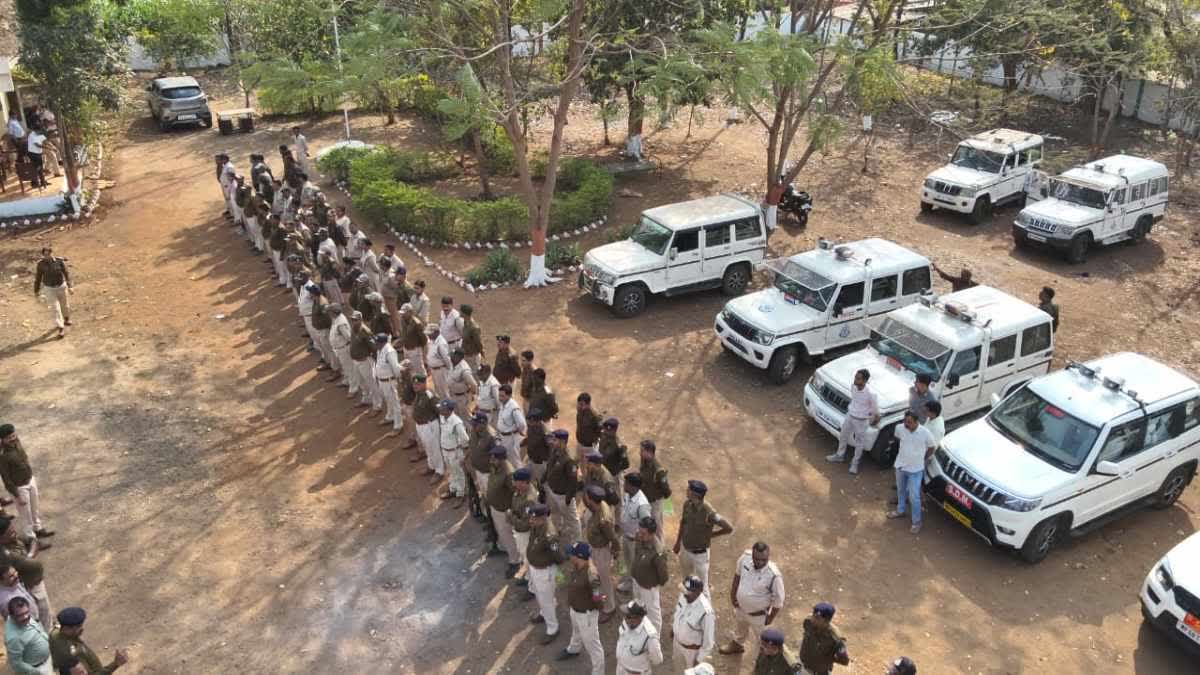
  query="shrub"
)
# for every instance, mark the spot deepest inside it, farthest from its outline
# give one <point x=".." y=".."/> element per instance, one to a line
<point x="619" y="233"/>
<point x="406" y="166"/>
<point x="537" y="165"/>
<point x="562" y="254"/>
<point x="500" y="266"/>
<point x="420" y="95"/>
<point x="498" y="151"/>
<point x="410" y="210"/>
<point x="585" y="193"/>
<point x="336" y="162"/>
<point x="506" y="218"/>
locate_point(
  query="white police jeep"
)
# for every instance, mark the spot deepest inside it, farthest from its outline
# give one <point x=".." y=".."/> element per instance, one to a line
<point x="705" y="243"/>
<point x="985" y="171"/>
<point x="1110" y="200"/>
<point x="1171" y="594"/>
<point x="1071" y="451"/>
<point x="819" y="300"/>
<point x="973" y="344"/>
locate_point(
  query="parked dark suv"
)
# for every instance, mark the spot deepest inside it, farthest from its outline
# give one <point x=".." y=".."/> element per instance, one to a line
<point x="178" y="100"/>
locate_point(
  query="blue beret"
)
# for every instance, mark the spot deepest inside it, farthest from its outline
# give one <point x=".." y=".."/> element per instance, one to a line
<point x="382" y="338"/>
<point x="693" y="583"/>
<point x="535" y="413"/>
<point x="400" y="269"/>
<point x="612" y="423"/>
<point x="479" y="417"/>
<point x="773" y="636"/>
<point x="522" y="474"/>
<point x="539" y="510"/>
<point x="634" y="479"/>
<point x="561" y="433"/>
<point x="824" y="609"/>
<point x="447" y="404"/>
<point x="594" y="458"/>
<point x="595" y="492"/>
<point x="580" y="549"/>
<point x="498" y="451"/>
<point x="72" y="616"/>
<point x="698" y="487"/>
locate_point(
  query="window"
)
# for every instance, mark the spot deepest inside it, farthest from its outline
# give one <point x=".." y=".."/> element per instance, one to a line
<point x="1002" y="349"/>
<point x="1137" y="192"/>
<point x="716" y="235"/>
<point x="883" y="288"/>
<point x="686" y="240"/>
<point x="1152" y="186"/>
<point x="1031" y="155"/>
<point x="850" y="297"/>
<point x="1035" y="339"/>
<point x="1163" y="183"/>
<point x="916" y="281"/>
<point x="747" y="228"/>
<point x="1172" y="422"/>
<point x="965" y="363"/>
<point x="1118" y="196"/>
<point x="1125" y="440"/>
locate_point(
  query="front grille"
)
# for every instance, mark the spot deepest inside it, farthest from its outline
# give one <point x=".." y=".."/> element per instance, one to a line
<point x="738" y="326"/>
<point x="1040" y="225"/>
<point x="970" y="483"/>
<point x="834" y="398"/>
<point x="1188" y="602"/>
<point x="946" y="188"/>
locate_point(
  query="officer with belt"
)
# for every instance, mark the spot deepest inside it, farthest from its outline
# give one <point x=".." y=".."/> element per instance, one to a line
<point x="362" y="352"/>
<point x="506" y="367"/>
<point x="537" y="444"/>
<point x="649" y="571"/>
<point x="487" y="401"/>
<point x="543" y="556"/>
<point x="694" y="625"/>
<point x="601" y="534"/>
<point x="562" y="479"/>
<point x="696" y="532"/>
<point x="524" y="495"/>
<point x="757" y="595"/>
<point x="499" y="487"/>
<point x="655" y="484"/>
<point x="461" y="381"/>
<point x="823" y="644"/>
<point x="387" y="369"/>
<point x="425" y="416"/>
<point x="594" y="474"/>
<point x="639" y="648"/>
<point x="773" y="657"/>
<point x="510" y="422"/>
<point x="616" y="455"/>
<point x="584" y="599"/>
<point x="479" y="466"/>
<point x="587" y="424"/>
<point x="51" y="274"/>
<point x="472" y="337"/>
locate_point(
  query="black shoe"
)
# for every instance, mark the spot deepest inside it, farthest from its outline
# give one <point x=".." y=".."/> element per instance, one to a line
<point x="495" y="552"/>
<point x="523" y="582"/>
<point x="547" y="639"/>
<point x="512" y="571"/>
<point x="565" y="655"/>
<point x="536" y="619"/>
<point x="527" y="597"/>
<point x="44" y="533"/>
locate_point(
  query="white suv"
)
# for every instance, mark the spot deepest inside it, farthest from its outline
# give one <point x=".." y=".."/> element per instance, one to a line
<point x="1171" y="594"/>
<point x="985" y="171"/>
<point x="1114" y="199"/>
<point x="1071" y="451"/>
<point x="973" y="344"/>
<point x="705" y="243"/>
<point x="819" y="300"/>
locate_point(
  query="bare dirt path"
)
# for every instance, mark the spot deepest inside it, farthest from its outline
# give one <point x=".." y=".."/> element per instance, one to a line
<point x="221" y="509"/>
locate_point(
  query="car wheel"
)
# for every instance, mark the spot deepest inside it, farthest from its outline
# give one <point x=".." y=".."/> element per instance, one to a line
<point x="1023" y="200"/>
<point x="1173" y="486"/>
<point x="1140" y="229"/>
<point x="207" y="121"/>
<point x="982" y="210"/>
<point x="1077" y="252"/>
<point x="163" y="126"/>
<point x="629" y="301"/>
<point x="783" y="364"/>
<point x="1042" y="540"/>
<point x="881" y="452"/>
<point x="736" y="278"/>
<point x="1020" y="241"/>
<point x="926" y="207"/>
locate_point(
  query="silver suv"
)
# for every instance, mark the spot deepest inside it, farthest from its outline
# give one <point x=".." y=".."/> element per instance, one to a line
<point x="178" y="100"/>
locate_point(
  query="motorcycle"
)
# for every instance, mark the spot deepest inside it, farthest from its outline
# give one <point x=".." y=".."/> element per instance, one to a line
<point x="798" y="203"/>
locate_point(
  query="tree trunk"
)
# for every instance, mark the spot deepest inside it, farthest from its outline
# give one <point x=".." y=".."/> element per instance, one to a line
<point x="637" y="110"/>
<point x="481" y="163"/>
<point x="604" y="120"/>
<point x="1119" y="103"/>
<point x="1010" y="74"/>
<point x="68" y="158"/>
<point x="1097" y="107"/>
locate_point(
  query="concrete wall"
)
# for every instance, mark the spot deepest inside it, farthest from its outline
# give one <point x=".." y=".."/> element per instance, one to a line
<point x="140" y="61"/>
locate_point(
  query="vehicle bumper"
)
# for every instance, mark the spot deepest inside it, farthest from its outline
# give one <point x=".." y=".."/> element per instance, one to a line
<point x="1024" y="236"/>
<point x="747" y="349"/>
<point x="596" y="289"/>
<point x="829" y="417"/>
<point x="1161" y="610"/>
<point x="998" y="527"/>
<point x="951" y="203"/>
<point x="186" y="116"/>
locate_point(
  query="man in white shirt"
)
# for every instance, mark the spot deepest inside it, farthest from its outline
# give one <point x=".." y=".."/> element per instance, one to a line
<point x="863" y="411"/>
<point x="342" y="222"/>
<point x="33" y="147"/>
<point x="370" y="265"/>
<point x="488" y="399"/>
<point x="389" y="253"/>
<point x="437" y="356"/>
<point x="387" y="371"/>
<point x="420" y="301"/>
<point x="916" y="446"/>
<point x="339" y="339"/>
<point x="307" y="304"/>
<point x="757" y="595"/>
<point x="634" y="507"/>
<point x="452" y="434"/>
<point x="639" y="648"/>
<point x="358" y="243"/>
<point x="451" y="323"/>
<point x="301" y="151"/>
<point x="934" y="422"/>
<point x="16" y="133"/>
<point x="694" y="626"/>
<point x="327" y="247"/>
<point x="510" y="424"/>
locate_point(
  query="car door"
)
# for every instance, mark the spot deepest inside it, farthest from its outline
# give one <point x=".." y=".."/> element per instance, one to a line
<point x="960" y="384"/>
<point x="1035" y="350"/>
<point x="1137" y="204"/>
<point x="152" y="98"/>
<point x="846" y="316"/>
<point x="749" y="239"/>
<point x="683" y="258"/>
<point x="885" y="294"/>
<point x="913" y="283"/>
<point x="717" y="249"/>
<point x="1116" y="213"/>
<point x="1014" y="177"/>
<point x="1124" y="448"/>
<point x="1001" y="366"/>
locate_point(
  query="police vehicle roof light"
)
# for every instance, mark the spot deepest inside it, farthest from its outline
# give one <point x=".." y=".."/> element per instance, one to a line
<point x="824" y="244"/>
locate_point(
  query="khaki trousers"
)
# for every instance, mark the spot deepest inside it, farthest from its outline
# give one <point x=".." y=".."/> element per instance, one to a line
<point x="683" y="657"/>
<point x="585" y="635"/>
<point x="602" y="558"/>
<point x="347" y="366"/>
<point x="28" y="510"/>
<point x="564" y="515"/>
<point x="416" y="361"/>
<point x="648" y="598"/>
<point x="391" y="398"/>
<point x="749" y="625"/>
<point x="58" y="297"/>
<point x="427" y="435"/>
<point x="504" y="533"/>
<point x="522" y="541"/>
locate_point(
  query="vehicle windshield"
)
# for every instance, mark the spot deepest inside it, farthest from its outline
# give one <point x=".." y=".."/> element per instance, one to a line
<point x="181" y="92"/>
<point x="651" y="235"/>
<point x="1044" y="430"/>
<point x="802" y="285"/>
<point x="980" y="160"/>
<point x="1078" y="194"/>
<point x="915" y="351"/>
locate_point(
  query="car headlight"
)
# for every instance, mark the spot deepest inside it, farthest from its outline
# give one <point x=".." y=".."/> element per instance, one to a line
<point x="967" y="192"/>
<point x="1018" y="504"/>
<point x="1162" y="574"/>
<point x="763" y="338"/>
<point x="929" y="183"/>
<point x="1066" y="230"/>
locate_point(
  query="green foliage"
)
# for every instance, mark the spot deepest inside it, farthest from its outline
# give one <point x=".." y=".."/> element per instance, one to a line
<point x="498" y="150"/>
<point x="406" y="166"/>
<point x="411" y="210"/>
<point x="288" y="87"/>
<point x="583" y="193"/>
<point x="876" y="83"/>
<point x="421" y="96"/>
<point x="172" y="31"/>
<point x="336" y="163"/>
<point x="563" y="254"/>
<point x="504" y="219"/>
<point x="619" y="233"/>
<point x="500" y="266"/>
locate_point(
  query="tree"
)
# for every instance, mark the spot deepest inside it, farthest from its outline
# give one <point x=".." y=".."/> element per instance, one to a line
<point x="75" y="51"/>
<point x="467" y="116"/>
<point x="1180" y="21"/>
<point x="173" y="31"/>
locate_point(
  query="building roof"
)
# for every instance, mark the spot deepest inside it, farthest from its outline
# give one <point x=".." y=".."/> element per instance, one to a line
<point x="698" y="212"/>
<point x="9" y="42"/>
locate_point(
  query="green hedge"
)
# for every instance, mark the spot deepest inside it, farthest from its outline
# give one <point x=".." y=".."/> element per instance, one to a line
<point x="583" y="193"/>
<point x="406" y="166"/>
<point x="336" y="163"/>
<point x="498" y="151"/>
<point x="500" y="266"/>
<point x="420" y="95"/>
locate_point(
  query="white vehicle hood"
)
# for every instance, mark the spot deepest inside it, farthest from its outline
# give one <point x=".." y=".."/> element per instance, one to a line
<point x="1064" y="213"/>
<point x="960" y="175"/>
<point x="1001" y="463"/>
<point x="624" y="257"/>
<point x="769" y="311"/>
<point x="889" y="384"/>
<point x="1184" y="561"/>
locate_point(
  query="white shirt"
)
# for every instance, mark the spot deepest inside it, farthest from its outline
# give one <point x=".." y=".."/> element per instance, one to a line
<point x="420" y="305"/>
<point x="451" y="324"/>
<point x="358" y="250"/>
<point x="301" y="146"/>
<point x="695" y="623"/>
<point x="36" y="140"/>
<point x="397" y="263"/>
<point x="15" y="130"/>
<point x="452" y="432"/>
<point x="864" y="404"/>
<point x="758" y="589"/>
<point x="633" y="509"/>
<point x="305" y="303"/>
<point x="343" y="223"/>
<point x="461" y="377"/>
<point x="437" y="353"/>
<point x="639" y="649"/>
<point x="329" y="248"/>
<point x="339" y="332"/>
<point x="511" y="418"/>
<point x="913" y="445"/>
<point x="387" y="363"/>
<point x="937" y="429"/>
<point x="489" y="395"/>
<point x="227" y="174"/>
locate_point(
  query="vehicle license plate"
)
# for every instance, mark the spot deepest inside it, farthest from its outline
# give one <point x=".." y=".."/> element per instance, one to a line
<point x="1036" y="237"/>
<point x="735" y="342"/>
<point x="959" y="495"/>
<point x="956" y="514"/>
<point x="1190" y="626"/>
<point x="825" y="418"/>
<point x="185" y="118"/>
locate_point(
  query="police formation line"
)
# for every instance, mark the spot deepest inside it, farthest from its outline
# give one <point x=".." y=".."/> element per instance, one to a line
<point x="579" y="516"/>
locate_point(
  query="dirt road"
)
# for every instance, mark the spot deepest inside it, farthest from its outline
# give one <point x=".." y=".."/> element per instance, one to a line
<point x="221" y="509"/>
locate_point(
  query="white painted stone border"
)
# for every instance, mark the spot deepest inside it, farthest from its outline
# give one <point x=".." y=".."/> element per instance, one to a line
<point x="19" y="223"/>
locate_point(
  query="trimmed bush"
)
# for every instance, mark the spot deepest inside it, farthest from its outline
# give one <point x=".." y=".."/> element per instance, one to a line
<point x="336" y="162"/>
<point x="500" y="266"/>
<point x="563" y="254"/>
<point x="506" y="218"/>
<point x="406" y="166"/>
<point x="584" y="193"/>
<point x="498" y="150"/>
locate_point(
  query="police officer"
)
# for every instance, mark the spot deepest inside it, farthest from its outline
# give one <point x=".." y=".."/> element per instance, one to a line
<point x="693" y="626"/>
<point x="649" y="571"/>
<point x="461" y="381"/>
<point x="413" y="338"/>
<point x="526" y="375"/>
<point x="757" y="595"/>
<point x="506" y="367"/>
<point x="472" y="337"/>
<point x="387" y="369"/>
<point x="510" y="423"/>
<point x="425" y="417"/>
<point x="562" y="481"/>
<point x="696" y="532"/>
<point x="584" y="598"/>
<point x="594" y="473"/>
<point x="655" y="484"/>
<point x="51" y="274"/>
<point x="479" y="467"/>
<point x="67" y="641"/>
<point x="615" y="456"/>
<point x="543" y="556"/>
<point x="639" y="648"/>
<point x="362" y="353"/>
<point x="452" y="434"/>
<point x="536" y="444"/>
<point x="540" y="395"/>
<point x="488" y="399"/>
<point x="773" y="657"/>
<point x="500" y="488"/>
<point x="634" y="508"/>
<point x="901" y="666"/>
<point x="823" y="645"/>
<point x="525" y="495"/>
<point x="601" y="535"/>
<point x="587" y="424"/>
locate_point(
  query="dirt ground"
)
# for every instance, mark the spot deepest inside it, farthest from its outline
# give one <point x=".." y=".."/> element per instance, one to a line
<point x="221" y="509"/>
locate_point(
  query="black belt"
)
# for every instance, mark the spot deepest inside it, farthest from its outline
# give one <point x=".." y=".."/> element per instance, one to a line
<point x="509" y="433"/>
<point x="385" y="379"/>
<point x="697" y="551"/>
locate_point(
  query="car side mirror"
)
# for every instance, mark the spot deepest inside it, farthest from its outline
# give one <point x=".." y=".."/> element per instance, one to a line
<point x="995" y="399"/>
<point x="672" y="253"/>
<point x="1107" y="468"/>
<point x="1112" y="207"/>
<point x="952" y="380"/>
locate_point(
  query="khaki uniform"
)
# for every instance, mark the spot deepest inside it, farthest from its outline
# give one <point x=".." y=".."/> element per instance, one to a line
<point x="425" y="416"/>
<point x="758" y="592"/>
<point x="820" y="647"/>
<point x="52" y="276"/>
<point x="506" y="367"/>
<point x="518" y="516"/>
<point x="601" y="535"/>
<point x="657" y="488"/>
<point x="695" y="530"/>
<point x="362" y="352"/>
<point x="649" y="571"/>
<point x="472" y="342"/>
<point x="582" y="586"/>
<point x="541" y="397"/>
<point x="20" y="482"/>
<point x="543" y="555"/>
<point x="462" y="385"/>
<point x="499" y="494"/>
<point x="563" y="483"/>
<point x="615" y="456"/>
<point x="62" y="647"/>
<point x="537" y="450"/>
<point x="413" y="339"/>
<point x="639" y="649"/>
<point x="587" y="429"/>
<point x="596" y="474"/>
<point x="783" y="663"/>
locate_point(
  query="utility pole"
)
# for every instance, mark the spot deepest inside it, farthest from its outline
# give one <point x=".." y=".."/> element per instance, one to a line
<point x="337" y="46"/>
